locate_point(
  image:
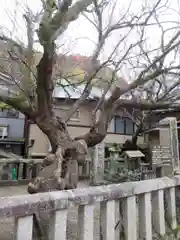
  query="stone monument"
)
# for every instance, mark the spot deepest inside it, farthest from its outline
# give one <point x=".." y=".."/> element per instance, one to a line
<point x="166" y="155"/>
<point x="169" y="137"/>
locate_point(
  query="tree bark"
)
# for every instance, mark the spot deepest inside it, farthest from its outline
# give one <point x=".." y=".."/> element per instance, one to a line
<point x="60" y="169"/>
<point x="136" y="134"/>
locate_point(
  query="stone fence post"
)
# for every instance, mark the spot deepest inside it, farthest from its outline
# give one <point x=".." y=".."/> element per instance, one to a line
<point x="168" y="135"/>
<point x="97" y="166"/>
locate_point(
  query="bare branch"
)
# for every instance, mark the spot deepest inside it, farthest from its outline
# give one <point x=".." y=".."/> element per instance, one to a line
<point x="52" y="27"/>
<point x="142" y="79"/>
<point x="144" y="105"/>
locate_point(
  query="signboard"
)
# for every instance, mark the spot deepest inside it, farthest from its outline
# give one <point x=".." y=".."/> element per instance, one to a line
<point x="161" y="155"/>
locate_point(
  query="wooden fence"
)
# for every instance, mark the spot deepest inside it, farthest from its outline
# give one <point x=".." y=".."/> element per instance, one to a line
<point x="27" y="169"/>
<point x="144" y="211"/>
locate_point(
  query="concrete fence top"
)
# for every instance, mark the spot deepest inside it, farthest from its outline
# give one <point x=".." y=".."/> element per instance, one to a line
<point x="24" y="205"/>
<point x="20" y="160"/>
<point x="28" y="160"/>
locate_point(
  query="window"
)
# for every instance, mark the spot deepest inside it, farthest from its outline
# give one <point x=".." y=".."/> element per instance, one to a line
<point x="12" y="114"/>
<point x="8" y="113"/>
<point x="119" y="125"/>
<point x="123" y="126"/>
<point x="129" y="127"/>
<point x="3" y="131"/>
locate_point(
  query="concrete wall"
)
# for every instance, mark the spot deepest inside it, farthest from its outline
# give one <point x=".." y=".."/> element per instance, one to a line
<point x="84" y="118"/>
<point x="79" y="124"/>
<point x="15" y="126"/>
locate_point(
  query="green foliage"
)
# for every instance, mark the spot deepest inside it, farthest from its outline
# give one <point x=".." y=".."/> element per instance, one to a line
<point x="172" y="235"/>
<point x="116" y="172"/>
<point x="114" y="147"/>
<point x="4" y="106"/>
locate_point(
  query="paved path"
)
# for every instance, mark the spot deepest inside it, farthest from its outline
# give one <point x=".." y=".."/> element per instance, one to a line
<point x="6" y="224"/>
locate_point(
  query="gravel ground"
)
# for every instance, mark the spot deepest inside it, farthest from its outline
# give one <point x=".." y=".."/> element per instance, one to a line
<point x="7" y="225"/>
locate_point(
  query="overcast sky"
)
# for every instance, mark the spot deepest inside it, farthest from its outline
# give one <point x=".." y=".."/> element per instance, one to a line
<point x="81" y="34"/>
<point x="11" y="12"/>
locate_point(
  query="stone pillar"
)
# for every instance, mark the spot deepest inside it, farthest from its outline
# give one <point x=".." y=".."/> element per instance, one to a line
<point x="98" y="163"/>
<point x="169" y="139"/>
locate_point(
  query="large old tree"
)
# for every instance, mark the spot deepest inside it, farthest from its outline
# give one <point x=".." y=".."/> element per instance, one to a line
<point x="123" y="42"/>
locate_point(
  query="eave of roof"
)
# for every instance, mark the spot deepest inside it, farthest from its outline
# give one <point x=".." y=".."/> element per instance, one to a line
<point x="75" y="92"/>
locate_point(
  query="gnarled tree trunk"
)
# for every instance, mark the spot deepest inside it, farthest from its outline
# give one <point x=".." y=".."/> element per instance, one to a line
<point x="60" y="168"/>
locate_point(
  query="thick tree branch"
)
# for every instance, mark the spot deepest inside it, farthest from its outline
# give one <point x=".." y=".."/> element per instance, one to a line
<point x="19" y="104"/>
<point x="144" y="104"/>
<point x="45" y="84"/>
<point x="98" y="131"/>
<point x="52" y="27"/>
